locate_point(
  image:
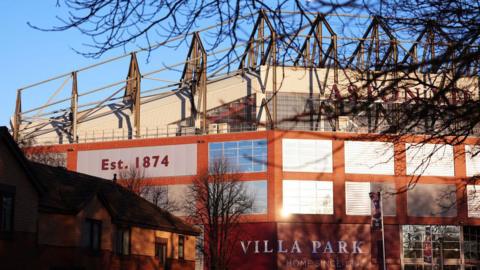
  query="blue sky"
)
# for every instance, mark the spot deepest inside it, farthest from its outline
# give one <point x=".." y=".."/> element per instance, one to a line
<point x="29" y="55"/>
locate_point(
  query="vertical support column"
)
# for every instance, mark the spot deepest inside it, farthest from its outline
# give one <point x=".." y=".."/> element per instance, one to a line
<point x="274" y="77"/>
<point x="432" y="50"/>
<point x="132" y="92"/>
<point x="261" y="36"/>
<point x="320" y="42"/>
<point x="335" y="59"/>
<point x="377" y="45"/>
<point x="203" y="81"/>
<point x="74" y="109"/>
<point x="18" y="116"/>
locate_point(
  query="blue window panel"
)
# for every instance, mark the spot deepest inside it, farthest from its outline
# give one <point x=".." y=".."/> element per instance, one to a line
<point x="230" y="145"/>
<point x="245" y="152"/>
<point x="245" y="160"/>
<point x="245" y="167"/>
<point x="259" y="168"/>
<point x="260" y="160"/>
<point x="230" y="152"/>
<point x="260" y="143"/>
<point x="259" y="151"/>
<point x="215" y="154"/>
<point x="215" y="146"/>
<point x="245" y="144"/>
<point x="244" y="156"/>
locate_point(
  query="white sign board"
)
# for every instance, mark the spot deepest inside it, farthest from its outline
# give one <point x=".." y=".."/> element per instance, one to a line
<point x="430" y="159"/>
<point x="307" y="155"/>
<point x="369" y="158"/>
<point x="153" y="161"/>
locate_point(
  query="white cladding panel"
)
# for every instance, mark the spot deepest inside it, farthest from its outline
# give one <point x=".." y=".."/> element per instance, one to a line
<point x="154" y="161"/>
<point x="307" y="155"/>
<point x="472" y="159"/>
<point x="308" y="197"/>
<point x="430" y="159"/>
<point x="473" y="197"/>
<point x="369" y="158"/>
<point x="357" y="198"/>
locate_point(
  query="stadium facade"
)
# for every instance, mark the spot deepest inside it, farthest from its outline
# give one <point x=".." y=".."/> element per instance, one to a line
<point x="309" y="161"/>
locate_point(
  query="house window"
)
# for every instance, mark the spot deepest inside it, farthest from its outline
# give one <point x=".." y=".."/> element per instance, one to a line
<point x="181" y="247"/>
<point x="242" y="156"/>
<point x="123" y="241"/>
<point x="94" y="234"/>
<point x="308" y="197"/>
<point x="161" y="250"/>
<point x="6" y="208"/>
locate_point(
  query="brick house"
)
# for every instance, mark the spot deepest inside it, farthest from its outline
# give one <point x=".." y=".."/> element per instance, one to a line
<point x="52" y="218"/>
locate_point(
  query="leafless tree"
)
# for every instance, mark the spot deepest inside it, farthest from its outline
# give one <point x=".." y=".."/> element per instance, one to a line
<point x="134" y="180"/>
<point x="216" y="201"/>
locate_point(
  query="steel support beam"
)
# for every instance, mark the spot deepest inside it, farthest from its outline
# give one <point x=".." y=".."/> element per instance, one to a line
<point x="132" y="92"/>
<point x="316" y="32"/>
<point x="74" y="109"/>
<point x="255" y="49"/>
<point x="17" y="120"/>
<point x="194" y="77"/>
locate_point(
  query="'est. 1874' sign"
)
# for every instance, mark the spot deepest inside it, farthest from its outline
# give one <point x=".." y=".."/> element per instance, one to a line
<point x="155" y="161"/>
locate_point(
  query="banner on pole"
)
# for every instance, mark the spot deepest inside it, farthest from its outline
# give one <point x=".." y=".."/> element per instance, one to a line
<point x="376" y="199"/>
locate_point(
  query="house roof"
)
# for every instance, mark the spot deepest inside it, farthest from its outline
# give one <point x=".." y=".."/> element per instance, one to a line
<point x="7" y="139"/>
<point x="67" y="192"/>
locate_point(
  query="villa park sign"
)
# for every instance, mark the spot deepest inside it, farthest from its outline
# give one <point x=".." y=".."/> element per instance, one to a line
<point x="294" y="247"/>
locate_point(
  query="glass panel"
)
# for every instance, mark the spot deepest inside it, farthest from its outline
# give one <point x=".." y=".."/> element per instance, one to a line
<point x="308" y="197"/>
<point x="244" y="156"/>
<point x="445" y="240"/>
<point x="126" y="242"/>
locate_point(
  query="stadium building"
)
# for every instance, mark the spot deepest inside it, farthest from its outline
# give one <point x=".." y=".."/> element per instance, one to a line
<point x="307" y="157"/>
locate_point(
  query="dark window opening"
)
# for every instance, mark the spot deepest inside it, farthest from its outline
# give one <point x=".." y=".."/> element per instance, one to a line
<point x="161" y="250"/>
<point x="94" y="234"/>
<point x="181" y="247"/>
<point x="122" y="241"/>
<point x="6" y="211"/>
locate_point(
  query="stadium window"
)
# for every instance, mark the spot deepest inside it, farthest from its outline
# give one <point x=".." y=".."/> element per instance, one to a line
<point x="471" y="245"/>
<point x="257" y="190"/>
<point x="445" y="244"/>
<point x="122" y="241"/>
<point x="308" y="197"/>
<point x="243" y="156"/>
<point x="181" y="247"/>
<point x="7" y="195"/>
<point x="432" y="200"/>
<point x="357" y="199"/>
<point x="161" y="250"/>
<point x="307" y="155"/>
<point x="93" y="234"/>
<point x="473" y="198"/>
